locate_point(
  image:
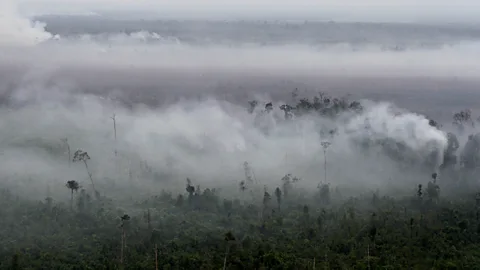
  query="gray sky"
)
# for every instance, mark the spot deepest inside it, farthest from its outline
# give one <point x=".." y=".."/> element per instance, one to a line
<point x="366" y="10"/>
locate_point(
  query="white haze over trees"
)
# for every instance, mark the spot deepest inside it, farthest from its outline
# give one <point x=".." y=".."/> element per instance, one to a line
<point x="209" y="139"/>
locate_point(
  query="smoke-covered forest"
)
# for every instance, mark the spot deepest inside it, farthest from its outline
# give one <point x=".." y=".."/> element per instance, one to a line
<point x="135" y="140"/>
<point x="281" y="223"/>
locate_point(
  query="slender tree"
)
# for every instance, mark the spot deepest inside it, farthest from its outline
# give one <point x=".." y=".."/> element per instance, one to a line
<point x="326" y="259"/>
<point x="65" y="142"/>
<point x="278" y="194"/>
<point x="287" y="184"/>
<point x="156" y="257"/>
<point x="324" y="193"/>
<point x="123" y="219"/>
<point x="73" y="186"/>
<point x="249" y="174"/>
<point x="325" y="146"/>
<point x="266" y="201"/>
<point x="228" y="238"/>
<point x="190" y="189"/>
<point x="114" y="119"/>
<point x="433" y="189"/>
<point x="419" y="192"/>
<point x="148" y="220"/>
<point x="80" y="155"/>
<point x="242" y="187"/>
<point x="368" y="256"/>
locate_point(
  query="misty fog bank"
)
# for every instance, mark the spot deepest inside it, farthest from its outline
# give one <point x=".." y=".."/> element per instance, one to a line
<point x="260" y="32"/>
<point x="62" y="91"/>
<point x="430" y="11"/>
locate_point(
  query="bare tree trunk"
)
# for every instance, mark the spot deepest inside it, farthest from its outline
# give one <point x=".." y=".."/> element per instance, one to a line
<point x="65" y="141"/>
<point x="91" y="178"/>
<point x="325" y="145"/>
<point x="225" y="258"/>
<point x="149" y="219"/>
<point x="254" y="177"/>
<point x="368" y="256"/>
<point x="124" y="240"/>
<point x="69" y="154"/>
<point x="325" y="165"/>
<point x="156" y="257"/>
<point x="121" y="248"/>
<point x="313" y="263"/>
<point x="115" y="132"/>
<point x="71" y="200"/>
<point x="326" y="260"/>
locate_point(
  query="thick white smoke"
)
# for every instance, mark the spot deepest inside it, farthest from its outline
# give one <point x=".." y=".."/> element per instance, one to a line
<point x="16" y="30"/>
<point x="383" y="121"/>
<point x="206" y="140"/>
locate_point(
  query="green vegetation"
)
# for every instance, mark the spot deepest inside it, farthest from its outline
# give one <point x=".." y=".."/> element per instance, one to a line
<point x="200" y="230"/>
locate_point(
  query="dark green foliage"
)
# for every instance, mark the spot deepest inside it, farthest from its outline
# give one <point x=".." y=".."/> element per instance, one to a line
<point x="347" y="234"/>
<point x="320" y="104"/>
<point x="15" y="264"/>
<point x="80" y="155"/>
<point x="72" y="185"/>
<point x="125" y="217"/>
<point x="229" y="236"/>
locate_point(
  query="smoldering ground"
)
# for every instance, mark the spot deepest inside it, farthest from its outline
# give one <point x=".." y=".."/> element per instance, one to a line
<point x="180" y="111"/>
